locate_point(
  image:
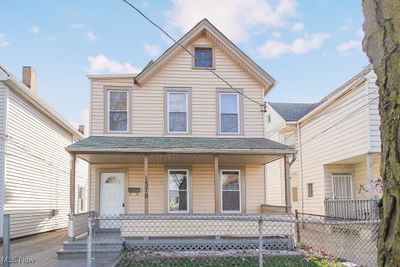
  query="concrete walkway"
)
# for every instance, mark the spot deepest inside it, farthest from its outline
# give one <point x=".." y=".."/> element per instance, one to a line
<point x="41" y="249"/>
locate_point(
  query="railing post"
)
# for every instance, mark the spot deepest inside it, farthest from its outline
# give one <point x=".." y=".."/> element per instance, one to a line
<point x="6" y="240"/>
<point x="296" y="213"/>
<point x="89" y="240"/>
<point x="260" y="243"/>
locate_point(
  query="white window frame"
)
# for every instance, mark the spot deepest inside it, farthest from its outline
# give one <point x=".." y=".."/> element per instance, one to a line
<point x="187" y="111"/>
<point x="83" y="198"/>
<point x="109" y="110"/>
<point x="220" y="112"/>
<point x="187" y="191"/>
<point x="333" y="184"/>
<point x="222" y="190"/>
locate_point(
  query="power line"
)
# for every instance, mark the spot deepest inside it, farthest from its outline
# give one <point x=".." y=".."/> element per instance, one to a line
<point x="263" y="105"/>
<point x="340" y="121"/>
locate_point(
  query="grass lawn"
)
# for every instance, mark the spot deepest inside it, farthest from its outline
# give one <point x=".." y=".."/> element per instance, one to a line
<point x="226" y="262"/>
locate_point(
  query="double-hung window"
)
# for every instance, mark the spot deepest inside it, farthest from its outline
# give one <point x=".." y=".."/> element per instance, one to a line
<point x="177" y="112"/>
<point x="341" y="184"/>
<point x="117" y="111"/>
<point x="229" y="113"/>
<point x="81" y="198"/>
<point x="203" y="57"/>
<point x="230" y="187"/>
<point x="178" y="191"/>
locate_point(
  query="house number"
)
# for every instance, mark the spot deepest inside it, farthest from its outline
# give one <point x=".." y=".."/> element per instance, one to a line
<point x="146" y="188"/>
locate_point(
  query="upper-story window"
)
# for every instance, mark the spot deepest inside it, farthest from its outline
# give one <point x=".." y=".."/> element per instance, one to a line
<point x="229" y="113"/>
<point x="117" y="111"/>
<point x="204" y="57"/>
<point x="177" y="112"/>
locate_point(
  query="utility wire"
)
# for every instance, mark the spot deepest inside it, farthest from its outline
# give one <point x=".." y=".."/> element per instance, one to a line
<point x="340" y="121"/>
<point x="263" y="105"/>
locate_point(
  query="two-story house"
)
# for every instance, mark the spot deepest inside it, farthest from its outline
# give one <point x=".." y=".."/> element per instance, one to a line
<point x="34" y="166"/>
<point x="338" y="144"/>
<point x="175" y="138"/>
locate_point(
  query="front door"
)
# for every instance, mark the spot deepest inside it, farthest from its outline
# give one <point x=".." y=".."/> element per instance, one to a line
<point x="112" y="193"/>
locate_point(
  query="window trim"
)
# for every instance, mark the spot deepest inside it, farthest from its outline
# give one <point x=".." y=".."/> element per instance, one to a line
<point x="187" y="110"/>
<point x="83" y="208"/>
<point x="212" y="55"/>
<point x="308" y="190"/>
<point x="187" y="191"/>
<point x="121" y="90"/>
<point x="239" y="119"/>
<point x="222" y="190"/>
<point x="333" y="184"/>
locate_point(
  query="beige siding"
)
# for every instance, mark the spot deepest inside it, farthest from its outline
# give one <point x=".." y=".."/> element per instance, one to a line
<point x="37" y="171"/>
<point x="255" y="188"/>
<point x="147" y="101"/>
<point x="275" y="183"/>
<point x="203" y="194"/>
<point x="3" y="119"/>
<point x="81" y="179"/>
<point x="272" y="128"/>
<point x="332" y="137"/>
<point x="373" y="113"/>
<point x="203" y="188"/>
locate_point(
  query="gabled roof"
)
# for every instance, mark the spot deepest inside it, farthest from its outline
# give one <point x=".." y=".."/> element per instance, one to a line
<point x="36" y="101"/>
<point x="292" y="111"/>
<point x="213" y="33"/>
<point x="298" y="111"/>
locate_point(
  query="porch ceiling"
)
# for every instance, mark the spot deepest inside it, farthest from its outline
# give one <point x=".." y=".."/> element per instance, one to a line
<point x="178" y="150"/>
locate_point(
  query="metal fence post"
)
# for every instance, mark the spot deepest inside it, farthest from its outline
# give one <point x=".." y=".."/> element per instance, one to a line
<point x="296" y="212"/>
<point x="6" y="240"/>
<point x="260" y="243"/>
<point x="89" y="241"/>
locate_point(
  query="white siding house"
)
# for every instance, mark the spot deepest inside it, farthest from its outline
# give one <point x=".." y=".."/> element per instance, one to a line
<point x="34" y="166"/>
<point x="338" y="144"/>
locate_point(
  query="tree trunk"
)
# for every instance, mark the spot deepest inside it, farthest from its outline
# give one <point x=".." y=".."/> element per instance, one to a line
<point x="382" y="45"/>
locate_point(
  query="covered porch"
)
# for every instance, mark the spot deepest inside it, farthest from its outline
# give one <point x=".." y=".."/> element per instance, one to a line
<point x="353" y="187"/>
<point x="176" y="175"/>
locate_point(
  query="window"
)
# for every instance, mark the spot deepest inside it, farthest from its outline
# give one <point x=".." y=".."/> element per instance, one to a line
<point x="178" y="190"/>
<point x="310" y="190"/>
<point x="230" y="186"/>
<point x="81" y="198"/>
<point x="295" y="196"/>
<point x="204" y="57"/>
<point x="118" y="111"/>
<point x="269" y="118"/>
<point x="177" y="112"/>
<point x="229" y="113"/>
<point x="341" y="184"/>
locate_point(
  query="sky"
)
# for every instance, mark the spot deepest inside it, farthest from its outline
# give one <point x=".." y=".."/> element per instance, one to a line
<point x="309" y="47"/>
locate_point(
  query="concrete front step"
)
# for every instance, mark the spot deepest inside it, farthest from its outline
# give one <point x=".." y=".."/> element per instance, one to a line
<point x="79" y="254"/>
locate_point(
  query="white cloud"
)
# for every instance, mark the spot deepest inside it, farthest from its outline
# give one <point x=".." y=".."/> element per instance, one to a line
<point x="276" y="48"/>
<point x="102" y="64"/>
<point x="152" y="50"/>
<point x="90" y="36"/>
<point x="77" y="26"/>
<point x="235" y="18"/>
<point x="298" y="26"/>
<point x="35" y="29"/>
<point x="3" y="41"/>
<point x="345" y="47"/>
<point x="276" y="35"/>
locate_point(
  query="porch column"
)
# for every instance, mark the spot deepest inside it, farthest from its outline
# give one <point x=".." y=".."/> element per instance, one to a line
<point x="146" y="184"/>
<point x="288" y="200"/>
<point x="370" y="175"/>
<point x="217" y="185"/>
<point x="72" y="187"/>
<point x="71" y="199"/>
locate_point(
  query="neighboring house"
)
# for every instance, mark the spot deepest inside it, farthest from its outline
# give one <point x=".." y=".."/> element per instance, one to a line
<point x="34" y="166"/>
<point x="338" y="142"/>
<point x="175" y="138"/>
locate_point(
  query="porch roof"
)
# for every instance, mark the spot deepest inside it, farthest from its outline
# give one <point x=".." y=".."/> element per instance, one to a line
<point x="118" y="149"/>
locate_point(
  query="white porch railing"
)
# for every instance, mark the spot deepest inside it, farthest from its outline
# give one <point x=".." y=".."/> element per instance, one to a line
<point x="352" y="209"/>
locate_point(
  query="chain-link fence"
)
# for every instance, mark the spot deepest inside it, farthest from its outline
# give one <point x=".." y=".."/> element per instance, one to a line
<point x="230" y="240"/>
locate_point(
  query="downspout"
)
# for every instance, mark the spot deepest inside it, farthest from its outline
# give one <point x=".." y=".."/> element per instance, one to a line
<point x="301" y="167"/>
<point x="288" y="197"/>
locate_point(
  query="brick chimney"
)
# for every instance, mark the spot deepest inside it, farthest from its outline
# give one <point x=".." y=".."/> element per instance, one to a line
<point x="29" y="77"/>
<point x="81" y="129"/>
